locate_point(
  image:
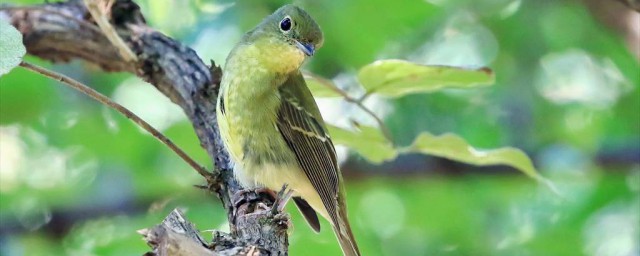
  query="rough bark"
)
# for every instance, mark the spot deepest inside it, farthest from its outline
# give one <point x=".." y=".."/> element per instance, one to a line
<point x="63" y="31"/>
<point x="622" y="16"/>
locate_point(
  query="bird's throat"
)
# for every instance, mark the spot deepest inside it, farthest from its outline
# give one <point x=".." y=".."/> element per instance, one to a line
<point x="277" y="56"/>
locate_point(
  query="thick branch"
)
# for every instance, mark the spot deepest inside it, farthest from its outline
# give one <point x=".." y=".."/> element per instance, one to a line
<point x="64" y="31"/>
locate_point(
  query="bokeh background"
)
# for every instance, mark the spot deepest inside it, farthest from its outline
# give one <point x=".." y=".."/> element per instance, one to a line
<point x="79" y="179"/>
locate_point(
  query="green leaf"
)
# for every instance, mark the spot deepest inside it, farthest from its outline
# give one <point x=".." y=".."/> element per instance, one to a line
<point x="321" y="87"/>
<point x="453" y="147"/>
<point x="11" y="48"/>
<point x="368" y="141"/>
<point x="396" y="78"/>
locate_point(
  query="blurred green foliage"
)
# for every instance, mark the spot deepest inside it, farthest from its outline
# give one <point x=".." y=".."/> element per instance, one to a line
<point x="79" y="179"/>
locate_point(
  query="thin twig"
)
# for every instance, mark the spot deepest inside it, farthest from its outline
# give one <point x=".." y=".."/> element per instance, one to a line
<point x="358" y="102"/>
<point x="111" y="34"/>
<point x="365" y="96"/>
<point x="106" y="101"/>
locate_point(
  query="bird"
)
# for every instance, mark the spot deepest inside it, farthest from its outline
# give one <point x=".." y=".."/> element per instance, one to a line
<point x="271" y="125"/>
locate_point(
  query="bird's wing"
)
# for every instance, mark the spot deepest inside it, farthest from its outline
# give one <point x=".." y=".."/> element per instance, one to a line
<point x="303" y="129"/>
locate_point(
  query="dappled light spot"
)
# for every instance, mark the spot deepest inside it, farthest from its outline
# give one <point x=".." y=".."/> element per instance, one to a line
<point x="384" y="212"/>
<point x="614" y="229"/>
<point x="177" y="172"/>
<point x="510" y="9"/>
<point x="32" y="213"/>
<point x="578" y="119"/>
<point x="213" y="8"/>
<point x="409" y="241"/>
<point x="335" y="111"/>
<point x="49" y="169"/>
<point x="522" y="232"/>
<point x="436" y="2"/>
<point x="575" y="76"/>
<point x="172" y="17"/>
<point x="633" y="179"/>
<point x="215" y="43"/>
<point x="463" y="42"/>
<point x="148" y="103"/>
<point x="12" y="158"/>
<point x="110" y="121"/>
<point x="46" y="168"/>
<point x="84" y="238"/>
<point x="63" y="121"/>
<point x="342" y="153"/>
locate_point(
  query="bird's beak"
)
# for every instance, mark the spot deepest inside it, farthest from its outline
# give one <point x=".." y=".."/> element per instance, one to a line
<point x="307" y="48"/>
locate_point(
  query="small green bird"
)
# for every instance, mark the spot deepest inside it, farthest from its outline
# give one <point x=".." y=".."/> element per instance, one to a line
<point x="271" y="125"/>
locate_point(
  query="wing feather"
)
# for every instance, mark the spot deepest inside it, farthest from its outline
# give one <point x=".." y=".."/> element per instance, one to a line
<point x="312" y="145"/>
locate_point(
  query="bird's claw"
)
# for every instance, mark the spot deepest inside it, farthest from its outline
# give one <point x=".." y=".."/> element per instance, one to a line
<point x="283" y="219"/>
<point x="281" y="199"/>
<point x="252" y="195"/>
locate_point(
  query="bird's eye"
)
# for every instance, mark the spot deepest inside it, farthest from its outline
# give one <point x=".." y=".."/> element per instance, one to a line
<point x="285" y="24"/>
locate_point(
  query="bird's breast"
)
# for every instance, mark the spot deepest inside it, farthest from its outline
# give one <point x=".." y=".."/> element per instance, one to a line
<point x="250" y="83"/>
<point x="251" y="113"/>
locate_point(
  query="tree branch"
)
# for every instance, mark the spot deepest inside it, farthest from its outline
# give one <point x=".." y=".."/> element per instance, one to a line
<point x="99" y="16"/>
<point x="64" y="31"/>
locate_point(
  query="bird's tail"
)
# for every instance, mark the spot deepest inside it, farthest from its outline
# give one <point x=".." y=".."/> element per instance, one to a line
<point x="347" y="242"/>
<point x="342" y="229"/>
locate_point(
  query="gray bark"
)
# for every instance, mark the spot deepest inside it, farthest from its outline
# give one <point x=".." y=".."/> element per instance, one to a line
<point x="63" y="31"/>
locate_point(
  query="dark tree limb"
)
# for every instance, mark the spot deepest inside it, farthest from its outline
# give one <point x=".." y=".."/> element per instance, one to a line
<point x="63" y="31"/>
<point x="633" y="4"/>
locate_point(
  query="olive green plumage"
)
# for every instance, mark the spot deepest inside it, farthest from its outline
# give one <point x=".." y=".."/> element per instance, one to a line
<point x="271" y="125"/>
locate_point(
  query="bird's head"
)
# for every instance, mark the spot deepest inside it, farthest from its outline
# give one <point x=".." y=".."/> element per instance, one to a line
<point x="293" y="26"/>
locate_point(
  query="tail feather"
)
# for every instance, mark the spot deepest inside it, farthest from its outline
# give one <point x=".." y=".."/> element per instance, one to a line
<point x="342" y="229"/>
<point x="346" y="240"/>
<point x="308" y="212"/>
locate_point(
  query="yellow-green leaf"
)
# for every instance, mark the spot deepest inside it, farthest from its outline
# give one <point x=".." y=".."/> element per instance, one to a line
<point x="368" y="141"/>
<point x="453" y="147"/>
<point x="11" y="48"/>
<point x="321" y="87"/>
<point x="396" y="78"/>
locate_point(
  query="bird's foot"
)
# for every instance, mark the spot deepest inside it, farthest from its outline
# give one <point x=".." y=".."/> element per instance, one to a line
<point x="281" y="199"/>
<point x="252" y="199"/>
<point x="253" y="195"/>
<point x="283" y="220"/>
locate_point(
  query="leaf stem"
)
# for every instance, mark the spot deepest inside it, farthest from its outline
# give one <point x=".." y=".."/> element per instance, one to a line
<point x="358" y="102"/>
